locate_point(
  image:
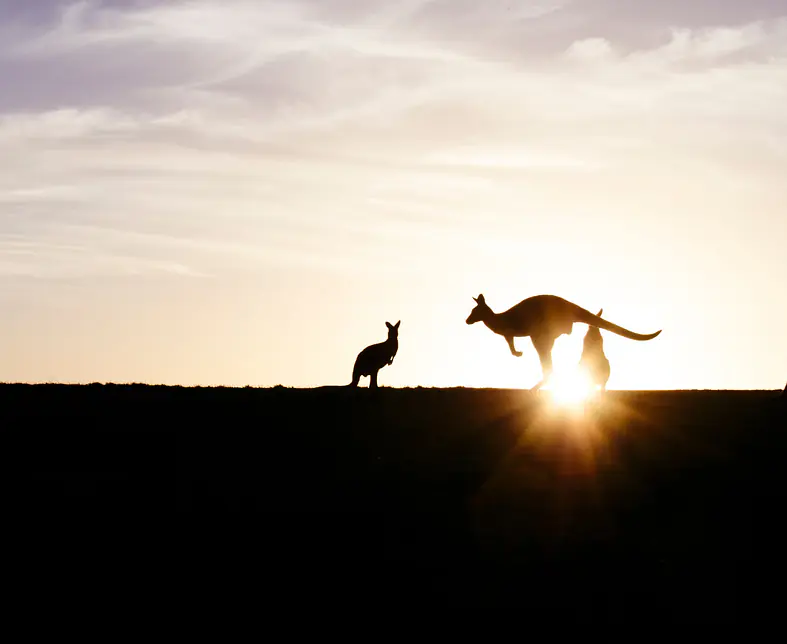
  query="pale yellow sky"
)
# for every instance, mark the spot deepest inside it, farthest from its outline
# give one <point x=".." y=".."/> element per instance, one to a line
<point x="244" y="192"/>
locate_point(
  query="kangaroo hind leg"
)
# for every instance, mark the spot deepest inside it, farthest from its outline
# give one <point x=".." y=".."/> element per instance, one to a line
<point x="544" y="346"/>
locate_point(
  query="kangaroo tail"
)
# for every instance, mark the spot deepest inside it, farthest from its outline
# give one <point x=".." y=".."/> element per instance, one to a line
<point x="586" y="317"/>
<point x="356" y="374"/>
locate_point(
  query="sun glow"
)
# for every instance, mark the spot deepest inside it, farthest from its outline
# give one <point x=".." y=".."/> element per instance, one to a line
<point x="570" y="388"/>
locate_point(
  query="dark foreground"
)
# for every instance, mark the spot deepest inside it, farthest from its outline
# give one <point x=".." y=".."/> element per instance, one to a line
<point x="654" y="506"/>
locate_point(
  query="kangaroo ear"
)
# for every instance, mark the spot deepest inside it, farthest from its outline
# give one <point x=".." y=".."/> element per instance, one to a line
<point x="388" y="324"/>
<point x="396" y="326"/>
<point x="475" y="299"/>
<point x="600" y="311"/>
<point x="480" y="299"/>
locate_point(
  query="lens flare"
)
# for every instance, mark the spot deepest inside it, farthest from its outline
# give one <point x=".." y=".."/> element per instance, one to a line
<point x="570" y="388"/>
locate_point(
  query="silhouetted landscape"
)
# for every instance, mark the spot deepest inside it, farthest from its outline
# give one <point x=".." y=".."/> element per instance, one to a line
<point x="645" y="506"/>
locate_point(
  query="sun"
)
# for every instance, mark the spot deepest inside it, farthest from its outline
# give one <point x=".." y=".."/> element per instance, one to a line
<point x="570" y="388"/>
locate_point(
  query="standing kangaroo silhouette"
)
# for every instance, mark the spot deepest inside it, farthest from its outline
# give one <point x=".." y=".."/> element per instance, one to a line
<point x="376" y="356"/>
<point x="544" y="318"/>
<point x="593" y="360"/>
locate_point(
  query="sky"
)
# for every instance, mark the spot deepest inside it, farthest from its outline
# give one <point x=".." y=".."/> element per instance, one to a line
<point x="243" y="192"/>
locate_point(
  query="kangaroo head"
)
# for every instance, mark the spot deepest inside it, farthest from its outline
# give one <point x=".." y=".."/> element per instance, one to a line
<point x="393" y="330"/>
<point x="593" y="337"/>
<point x="480" y="312"/>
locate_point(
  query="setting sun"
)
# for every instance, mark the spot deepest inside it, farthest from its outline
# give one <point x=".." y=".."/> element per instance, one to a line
<point x="570" y="388"/>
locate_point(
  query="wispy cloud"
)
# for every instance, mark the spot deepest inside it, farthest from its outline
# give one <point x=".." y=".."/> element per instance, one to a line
<point x="367" y="91"/>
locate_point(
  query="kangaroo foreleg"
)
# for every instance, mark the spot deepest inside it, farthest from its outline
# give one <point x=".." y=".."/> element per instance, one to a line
<point x="510" y="340"/>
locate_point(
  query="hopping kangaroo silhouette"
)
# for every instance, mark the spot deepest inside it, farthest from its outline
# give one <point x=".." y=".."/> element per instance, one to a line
<point x="593" y="360"/>
<point x="544" y="318"/>
<point x="376" y="356"/>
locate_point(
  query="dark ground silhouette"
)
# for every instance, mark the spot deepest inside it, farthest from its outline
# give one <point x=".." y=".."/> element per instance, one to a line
<point x="655" y="508"/>
<point x="544" y="318"/>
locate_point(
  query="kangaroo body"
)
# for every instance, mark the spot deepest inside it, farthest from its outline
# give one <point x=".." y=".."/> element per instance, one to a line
<point x="544" y="318"/>
<point x="376" y="356"/>
<point x="593" y="361"/>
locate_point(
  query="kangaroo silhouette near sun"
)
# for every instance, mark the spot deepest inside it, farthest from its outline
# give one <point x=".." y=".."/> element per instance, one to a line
<point x="376" y="356"/>
<point x="593" y="361"/>
<point x="544" y="318"/>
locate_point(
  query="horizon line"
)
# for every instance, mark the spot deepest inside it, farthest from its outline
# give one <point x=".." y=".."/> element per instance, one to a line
<point x="317" y="387"/>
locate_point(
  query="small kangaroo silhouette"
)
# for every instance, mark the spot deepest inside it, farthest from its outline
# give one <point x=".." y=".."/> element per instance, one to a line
<point x="376" y="356"/>
<point x="593" y="361"/>
<point x="544" y="318"/>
